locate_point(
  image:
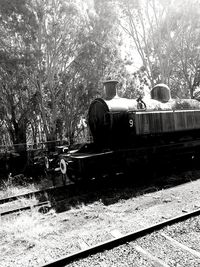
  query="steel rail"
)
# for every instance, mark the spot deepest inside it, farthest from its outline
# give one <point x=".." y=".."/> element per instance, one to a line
<point x="23" y="208"/>
<point x="119" y="241"/>
<point x="32" y="193"/>
<point x="47" y="193"/>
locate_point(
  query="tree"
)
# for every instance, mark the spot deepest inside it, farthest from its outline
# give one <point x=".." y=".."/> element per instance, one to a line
<point x="54" y="56"/>
<point x="97" y="59"/>
<point x="55" y="46"/>
<point x="183" y="33"/>
<point x="142" y="21"/>
<point x="17" y="28"/>
<point x="166" y="37"/>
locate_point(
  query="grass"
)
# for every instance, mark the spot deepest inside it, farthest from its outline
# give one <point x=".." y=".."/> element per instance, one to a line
<point x="11" y="187"/>
<point x="27" y="225"/>
<point x="24" y="232"/>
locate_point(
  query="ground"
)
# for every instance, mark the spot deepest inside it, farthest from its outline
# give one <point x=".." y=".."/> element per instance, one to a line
<point x="32" y="239"/>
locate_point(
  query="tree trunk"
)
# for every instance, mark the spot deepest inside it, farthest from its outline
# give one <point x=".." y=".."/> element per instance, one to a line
<point x="51" y="141"/>
<point x="18" y="162"/>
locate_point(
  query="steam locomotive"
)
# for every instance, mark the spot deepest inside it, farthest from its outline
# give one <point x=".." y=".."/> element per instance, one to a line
<point x="127" y="132"/>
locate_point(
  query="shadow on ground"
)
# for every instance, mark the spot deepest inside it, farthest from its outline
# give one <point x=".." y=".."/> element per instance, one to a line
<point x="123" y="187"/>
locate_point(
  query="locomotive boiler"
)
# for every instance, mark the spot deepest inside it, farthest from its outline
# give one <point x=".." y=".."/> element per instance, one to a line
<point x="128" y="131"/>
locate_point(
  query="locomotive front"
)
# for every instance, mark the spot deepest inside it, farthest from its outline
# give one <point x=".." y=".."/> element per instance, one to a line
<point x="110" y="119"/>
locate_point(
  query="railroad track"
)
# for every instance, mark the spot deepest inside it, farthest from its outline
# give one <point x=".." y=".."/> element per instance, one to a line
<point x="45" y="197"/>
<point x="16" y="203"/>
<point x="71" y="188"/>
<point x="55" y="195"/>
<point x="43" y="206"/>
<point x="100" y="254"/>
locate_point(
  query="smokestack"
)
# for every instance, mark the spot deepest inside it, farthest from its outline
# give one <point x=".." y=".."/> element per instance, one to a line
<point x="110" y="89"/>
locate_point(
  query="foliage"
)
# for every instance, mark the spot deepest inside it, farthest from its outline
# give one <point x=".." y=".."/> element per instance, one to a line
<point x="17" y="27"/>
<point x="165" y="34"/>
<point x="183" y="37"/>
<point x="54" y="55"/>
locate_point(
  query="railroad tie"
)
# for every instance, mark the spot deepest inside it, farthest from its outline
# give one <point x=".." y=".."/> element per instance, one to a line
<point x="116" y="233"/>
<point x="178" y="244"/>
<point x="83" y="245"/>
<point x="146" y="254"/>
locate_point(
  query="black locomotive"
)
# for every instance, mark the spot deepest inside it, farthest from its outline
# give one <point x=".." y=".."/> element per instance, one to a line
<point x="128" y="131"/>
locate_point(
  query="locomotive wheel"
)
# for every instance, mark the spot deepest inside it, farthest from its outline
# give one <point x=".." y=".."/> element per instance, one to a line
<point x="63" y="166"/>
<point x="74" y="177"/>
<point x="66" y="173"/>
<point x="46" y="163"/>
